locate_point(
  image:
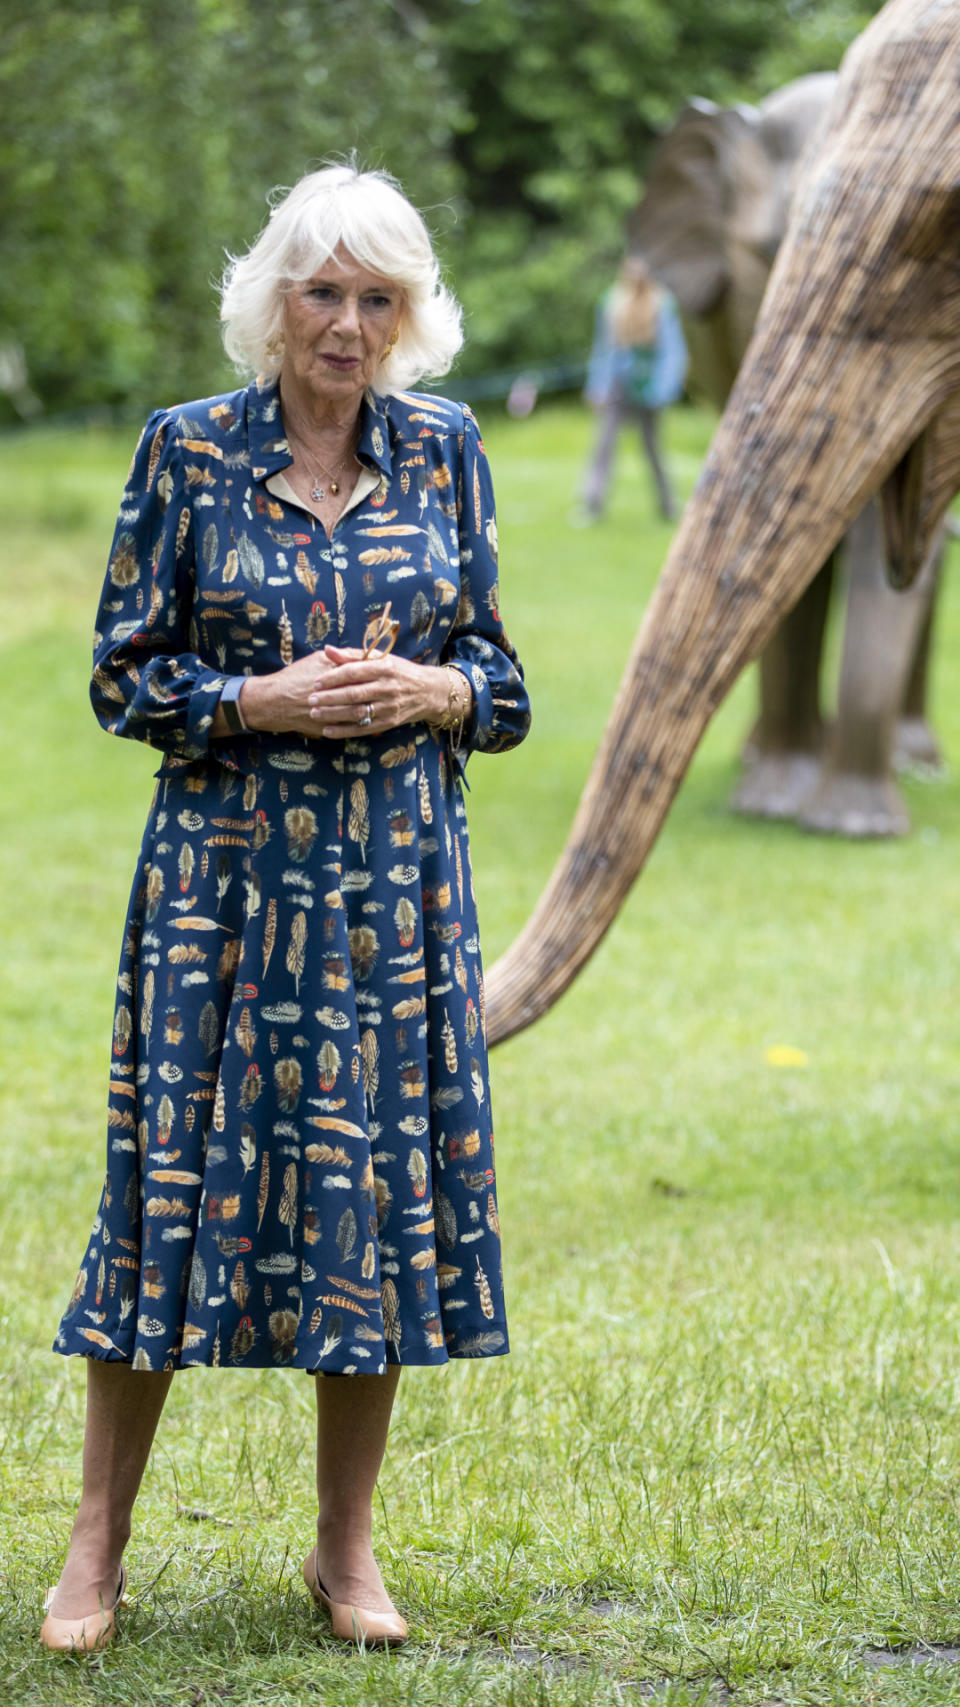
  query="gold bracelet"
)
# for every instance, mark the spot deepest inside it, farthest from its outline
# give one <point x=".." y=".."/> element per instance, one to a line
<point x="458" y="703"/>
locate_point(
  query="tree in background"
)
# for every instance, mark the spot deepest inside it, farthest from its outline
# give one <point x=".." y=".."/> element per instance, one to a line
<point x="562" y="104"/>
<point x="139" y="143"/>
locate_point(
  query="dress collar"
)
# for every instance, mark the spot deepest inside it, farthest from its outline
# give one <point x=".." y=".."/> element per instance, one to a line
<point x="269" y="450"/>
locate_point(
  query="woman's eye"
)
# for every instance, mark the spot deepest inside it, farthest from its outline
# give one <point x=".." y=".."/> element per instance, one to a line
<point x="323" y="293"/>
<point x="377" y="301"/>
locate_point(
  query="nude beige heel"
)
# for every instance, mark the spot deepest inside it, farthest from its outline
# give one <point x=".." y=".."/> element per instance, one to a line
<point x="357" y="1624"/>
<point x="87" y="1635"/>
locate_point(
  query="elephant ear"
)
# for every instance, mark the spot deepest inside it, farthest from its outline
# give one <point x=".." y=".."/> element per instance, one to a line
<point x="786" y="121"/>
<point x="680" y="225"/>
<point x="914" y="498"/>
<point x="789" y="117"/>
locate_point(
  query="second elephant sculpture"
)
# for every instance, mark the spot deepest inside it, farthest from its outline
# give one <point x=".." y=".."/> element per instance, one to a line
<point x="710" y="223"/>
<point x="850" y="389"/>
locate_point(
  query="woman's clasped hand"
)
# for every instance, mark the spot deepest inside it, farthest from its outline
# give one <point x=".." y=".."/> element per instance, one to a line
<point x="341" y="691"/>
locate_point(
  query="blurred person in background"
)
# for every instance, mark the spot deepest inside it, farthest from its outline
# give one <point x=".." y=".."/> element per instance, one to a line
<point x="637" y="367"/>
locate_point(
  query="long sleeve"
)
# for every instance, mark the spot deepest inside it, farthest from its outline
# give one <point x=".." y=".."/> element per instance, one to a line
<point x="478" y="643"/>
<point x="148" y="681"/>
<point x="602" y="366"/>
<point x="670" y="357"/>
<point x="610" y="368"/>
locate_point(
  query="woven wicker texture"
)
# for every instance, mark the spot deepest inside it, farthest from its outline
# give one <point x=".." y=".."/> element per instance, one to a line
<point x="851" y="384"/>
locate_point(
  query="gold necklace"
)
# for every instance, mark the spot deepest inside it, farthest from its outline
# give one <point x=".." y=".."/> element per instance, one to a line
<point x="317" y="492"/>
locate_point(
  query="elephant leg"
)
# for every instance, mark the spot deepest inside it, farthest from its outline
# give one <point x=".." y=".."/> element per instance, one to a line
<point x="782" y="753"/>
<point x="857" y="794"/>
<point x="915" y="746"/>
<point x="649" y="420"/>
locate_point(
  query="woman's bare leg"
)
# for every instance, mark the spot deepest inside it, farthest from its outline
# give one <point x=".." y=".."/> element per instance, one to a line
<point x="123" y="1410"/>
<point x="353" y="1418"/>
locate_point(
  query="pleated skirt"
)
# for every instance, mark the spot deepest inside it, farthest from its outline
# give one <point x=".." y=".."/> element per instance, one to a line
<point x="300" y="1159"/>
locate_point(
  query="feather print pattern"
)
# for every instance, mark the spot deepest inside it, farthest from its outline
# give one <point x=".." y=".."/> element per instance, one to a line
<point x="304" y="573"/>
<point x="285" y="631"/>
<point x="346" y="1235"/>
<point x="483" y="1287"/>
<point x="300" y="1161"/>
<point x="263" y="1188"/>
<point x="269" y="932"/>
<point x="296" y="950"/>
<point x="449" y="1039"/>
<point x="423" y="789"/>
<point x="153" y="461"/>
<point x="358" y="824"/>
<point x="287" y="1207"/>
<point x="248" y="1147"/>
<point x="245" y="1033"/>
<point x="370" y="1063"/>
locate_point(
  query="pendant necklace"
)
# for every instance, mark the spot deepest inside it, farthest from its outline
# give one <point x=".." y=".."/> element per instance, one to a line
<point x="317" y="492"/>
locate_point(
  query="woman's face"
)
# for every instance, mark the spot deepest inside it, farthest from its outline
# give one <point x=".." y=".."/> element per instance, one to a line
<point x="336" y="327"/>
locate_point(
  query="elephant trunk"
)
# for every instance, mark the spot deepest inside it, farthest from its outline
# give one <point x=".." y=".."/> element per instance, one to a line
<point x="789" y="469"/>
<point x="855" y="359"/>
<point x="759" y="526"/>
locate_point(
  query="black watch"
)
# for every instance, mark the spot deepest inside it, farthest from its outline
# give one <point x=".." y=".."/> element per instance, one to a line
<point x="231" y="707"/>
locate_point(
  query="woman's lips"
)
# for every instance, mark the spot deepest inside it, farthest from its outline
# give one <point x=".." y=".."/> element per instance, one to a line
<point x="343" y="362"/>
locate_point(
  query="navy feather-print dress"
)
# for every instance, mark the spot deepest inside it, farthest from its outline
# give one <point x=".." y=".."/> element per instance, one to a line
<point x="300" y="1141"/>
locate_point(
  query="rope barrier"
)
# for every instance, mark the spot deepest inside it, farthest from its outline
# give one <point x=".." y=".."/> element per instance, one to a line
<point x="518" y="387"/>
<point x="548" y="376"/>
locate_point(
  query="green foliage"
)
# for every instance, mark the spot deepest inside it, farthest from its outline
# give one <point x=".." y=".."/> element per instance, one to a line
<point x="563" y="105"/>
<point x="139" y="143"/>
<point x="814" y="37"/>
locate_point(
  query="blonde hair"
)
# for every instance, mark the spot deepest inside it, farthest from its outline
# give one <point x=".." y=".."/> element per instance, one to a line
<point x="634" y="304"/>
<point x="369" y="214"/>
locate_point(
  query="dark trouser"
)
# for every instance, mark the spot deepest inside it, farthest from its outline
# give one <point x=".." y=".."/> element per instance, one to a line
<point x="613" y="417"/>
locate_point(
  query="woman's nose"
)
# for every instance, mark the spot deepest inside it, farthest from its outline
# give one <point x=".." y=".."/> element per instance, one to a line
<point x="348" y="316"/>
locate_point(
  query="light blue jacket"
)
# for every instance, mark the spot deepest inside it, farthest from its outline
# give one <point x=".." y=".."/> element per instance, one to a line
<point x="616" y="372"/>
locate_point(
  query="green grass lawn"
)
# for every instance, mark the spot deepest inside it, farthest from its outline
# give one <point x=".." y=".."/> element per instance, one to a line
<point x="726" y="1449"/>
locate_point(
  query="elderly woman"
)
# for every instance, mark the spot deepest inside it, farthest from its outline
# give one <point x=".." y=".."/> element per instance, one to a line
<point x="301" y="611"/>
